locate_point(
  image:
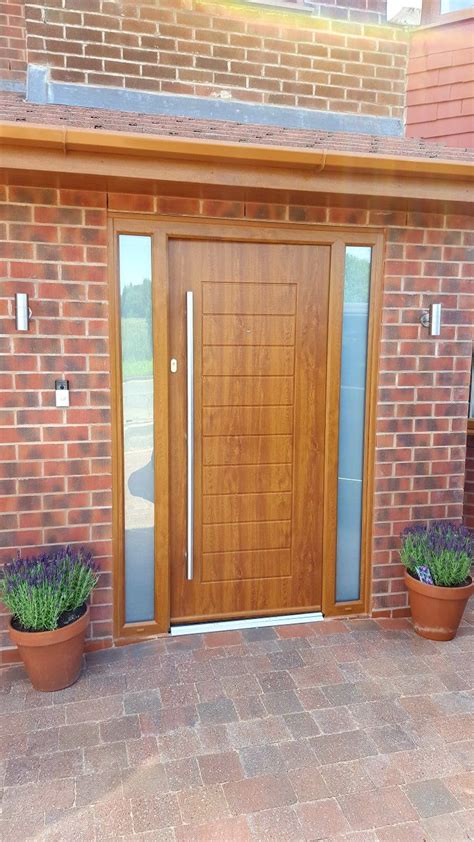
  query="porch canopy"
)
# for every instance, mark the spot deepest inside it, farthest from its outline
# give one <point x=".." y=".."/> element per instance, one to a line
<point x="119" y="151"/>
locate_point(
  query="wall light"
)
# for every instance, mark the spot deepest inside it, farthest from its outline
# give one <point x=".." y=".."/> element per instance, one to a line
<point x="432" y="319"/>
<point x="23" y="312"/>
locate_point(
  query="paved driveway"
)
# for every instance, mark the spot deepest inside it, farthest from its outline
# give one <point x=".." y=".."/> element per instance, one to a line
<point x="355" y="730"/>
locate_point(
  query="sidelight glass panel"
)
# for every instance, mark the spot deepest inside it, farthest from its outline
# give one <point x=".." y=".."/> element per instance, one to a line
<point x="471" y="393"/>
<point x="455" y="5"/>
<point x="352" y="421"/>
<point x="137" y="399"/>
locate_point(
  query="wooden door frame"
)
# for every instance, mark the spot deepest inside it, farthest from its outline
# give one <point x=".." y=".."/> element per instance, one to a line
<point x="162" y="229"/>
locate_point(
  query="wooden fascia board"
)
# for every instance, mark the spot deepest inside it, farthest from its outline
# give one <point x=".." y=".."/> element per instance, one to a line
<point x="144" y="157"/>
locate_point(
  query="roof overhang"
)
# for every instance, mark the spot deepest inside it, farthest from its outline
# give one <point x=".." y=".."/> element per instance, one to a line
<point x="40" y="154"/>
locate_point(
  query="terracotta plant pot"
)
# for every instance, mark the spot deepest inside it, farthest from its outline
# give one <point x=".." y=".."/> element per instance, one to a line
<point x="52" y="659"/>
<point x="436" y="611"/>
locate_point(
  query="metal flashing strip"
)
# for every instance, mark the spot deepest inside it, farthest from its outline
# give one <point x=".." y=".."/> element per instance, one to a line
<point x="12" y="86"/>
<point x="253" y="623"/>
<point x="41" y="91"/>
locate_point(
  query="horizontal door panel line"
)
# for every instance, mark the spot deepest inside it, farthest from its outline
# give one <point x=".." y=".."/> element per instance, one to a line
<point x="244" y="493"/>
<point x="240" y="345"/>
<point x="245" y="579"/>
<point x="236" y="313"/>
<point x="243" y="522"/>
<point x="274" y="405"/>
<point x="246" y="435"/>
<point x="245" y="464"/>
<point x="277" y="284"/>
<point x="243" y="376"/>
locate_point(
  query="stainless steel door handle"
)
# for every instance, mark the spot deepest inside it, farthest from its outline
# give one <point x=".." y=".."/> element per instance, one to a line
<point x="190" y="435"/>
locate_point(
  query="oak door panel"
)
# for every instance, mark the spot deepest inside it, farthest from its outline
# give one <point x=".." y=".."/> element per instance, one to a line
<point x="244" y="420"/>
<point x="246" y="479"/>
<point x="273" y="359"/>
<point x="248" y="330"/>
<point x="260" y="323"/>
<point x="230" y="508"/>
<point x="247" y="391"/>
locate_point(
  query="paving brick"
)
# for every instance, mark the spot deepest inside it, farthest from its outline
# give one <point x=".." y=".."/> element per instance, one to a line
<point x="110" y="756"/>
<point x="261" y="793"/>
<point x="203" y="805"/>
<point x="346" y="778"/>
<point x="406" y="832"/>
<point x="146" y="780"/>
<point x="262" y="760"/>
<point x="151" y="813"/>
<point x="309" y="784"/>
<point x="22" y="770"/>
<point x="276" y="681"/>
<point x="77" y="736"/>
<point x="334" y="720"/>
<point x="297" y="754"/>
<point x="390" y="738"/>
<point x="220" y="768"/>
<point x="431" y="798"/>
<point x="280" y="823"/>
<point x="144" y="700"/>
<point x="301" y="725"/>
<point x="100" y="786"/>
<point x="113" y="818"/>
<point x="350" y="745"/>
<point x="183" y="774"/>
<point x="217" y="712"/>
<point x="325" y="815"/>
<point x="258" y="732"/>
<point x="377" y="808"/>
<point x="61" y="764"/>
<point x="444" y="828"/>
<point x="120" y="728"/>
<point x="462" y="787"/>
<point x="233" y="829"/>
<point x="282" y="701"/>
<point x="249" y="707"/>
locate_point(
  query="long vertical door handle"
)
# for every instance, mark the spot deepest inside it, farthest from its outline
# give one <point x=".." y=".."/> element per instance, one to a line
<point x="190" y="435"/>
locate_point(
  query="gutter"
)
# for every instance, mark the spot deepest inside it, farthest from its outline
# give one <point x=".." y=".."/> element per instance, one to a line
<point x="70" y="140"/>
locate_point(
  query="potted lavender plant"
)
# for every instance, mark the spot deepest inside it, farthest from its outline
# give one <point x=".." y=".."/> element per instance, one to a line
<point x="438" y="559"/>
<point x="47" y="597"/>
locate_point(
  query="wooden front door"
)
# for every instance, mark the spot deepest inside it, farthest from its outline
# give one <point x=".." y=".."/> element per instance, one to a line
<point x="260" y="344"/>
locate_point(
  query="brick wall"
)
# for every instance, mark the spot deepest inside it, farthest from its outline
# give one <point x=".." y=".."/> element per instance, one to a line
<point x="55" y="470"/>
<point x="12" y="42"/>
<point x="469" y="485"/>
<point x="440" y="86"/>
<point x="56" y="477"/>
<point x="256" y="55"/>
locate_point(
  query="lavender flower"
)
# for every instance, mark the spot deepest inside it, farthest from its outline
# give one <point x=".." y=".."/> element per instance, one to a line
<point x="445" y="548"/>
<point x="38" y="590"/>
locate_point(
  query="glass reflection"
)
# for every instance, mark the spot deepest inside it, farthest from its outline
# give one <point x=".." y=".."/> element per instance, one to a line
<point x="137" y="394"/>
<point x="352" y="421"/>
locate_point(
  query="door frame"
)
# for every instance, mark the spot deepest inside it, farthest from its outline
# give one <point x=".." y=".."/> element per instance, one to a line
<point x="162" y="229"/>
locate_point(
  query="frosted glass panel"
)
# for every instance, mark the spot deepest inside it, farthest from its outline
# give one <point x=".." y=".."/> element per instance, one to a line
<point x="471" y="394"/>
<point x="455" y="5"/>
<point x="352" y="421"/>
<point x="137" y="395"/>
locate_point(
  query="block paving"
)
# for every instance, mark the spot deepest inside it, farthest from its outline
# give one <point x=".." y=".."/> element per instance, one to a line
<point x="354" y="730"/>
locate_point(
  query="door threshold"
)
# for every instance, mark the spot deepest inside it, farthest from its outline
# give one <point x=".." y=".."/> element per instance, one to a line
<point x="251" y="623"/>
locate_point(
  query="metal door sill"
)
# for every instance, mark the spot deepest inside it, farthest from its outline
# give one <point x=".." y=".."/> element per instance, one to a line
<point x="252" y="623"/>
